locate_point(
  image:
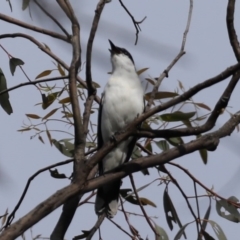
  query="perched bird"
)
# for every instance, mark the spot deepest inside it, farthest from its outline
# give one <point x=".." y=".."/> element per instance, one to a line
<point x="122" y="101"/>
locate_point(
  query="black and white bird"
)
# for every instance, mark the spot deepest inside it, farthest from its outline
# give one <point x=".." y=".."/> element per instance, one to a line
<point x="122" y="102"/>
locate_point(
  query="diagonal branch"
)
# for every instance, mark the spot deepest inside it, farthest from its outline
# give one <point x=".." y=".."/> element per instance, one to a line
<point x="33" y="28"/>
<point x="53" y="19"/>
<point x="231" y="30"/>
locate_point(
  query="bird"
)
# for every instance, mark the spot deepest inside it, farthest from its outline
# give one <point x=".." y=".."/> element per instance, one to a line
<point x="122" y="101"/>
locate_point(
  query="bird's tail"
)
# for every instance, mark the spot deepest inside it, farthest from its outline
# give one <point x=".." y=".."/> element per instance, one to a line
<point x="107" y="199"/>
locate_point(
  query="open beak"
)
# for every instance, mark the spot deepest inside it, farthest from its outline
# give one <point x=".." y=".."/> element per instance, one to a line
<point x="113" y="47"/>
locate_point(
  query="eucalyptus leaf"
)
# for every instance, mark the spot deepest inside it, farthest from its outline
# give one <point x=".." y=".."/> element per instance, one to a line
<point x="13" y="63"/>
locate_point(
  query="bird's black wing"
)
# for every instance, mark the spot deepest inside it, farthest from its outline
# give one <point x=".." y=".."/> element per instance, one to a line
<point x="99" y="134"/>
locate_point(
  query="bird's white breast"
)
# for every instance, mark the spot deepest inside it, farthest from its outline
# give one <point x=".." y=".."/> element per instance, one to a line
<point x="122" y="103"/>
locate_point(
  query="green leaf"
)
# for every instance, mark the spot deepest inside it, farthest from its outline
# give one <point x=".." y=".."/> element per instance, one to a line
<point x="162" y="235"/>
<point x="40" y="138"/>
<point x="230" y="212"/>
<point x="49" y="136"/>
<point x="181" y="232"/>
<point x="150" y="81"/>
<point x="176" y="116"/>
<point x="206" y="217"/>
<point x="43" y="74"/>
<point x="25" y="4"/>
<point x="60" y="70"/>
<point x="55" y="174"/>
<point x="161" y="95"/>
<point x="34" y="116"/>
<point x="206" y="235"/>
<point x="14" y="62"/>
<point x="170" y="211"/>
<point x="140" y="71"/>
<point x="66" y="149"/>
<point x="49" y="99"/>
<point x="218" y="231"/>
<point x="65" y="100"/>
<point x="145" y="201"/>
<point x="50" y="113"/>
<point x="96" y="85"/>
<point x="4" y="98"/>
<point x="202" y="105"/>
<point x="203" y="153"/>
<point x="163" y="145"/>
<point x="176" y="141"/>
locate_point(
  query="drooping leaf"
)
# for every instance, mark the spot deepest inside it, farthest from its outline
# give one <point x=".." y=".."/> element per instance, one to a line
<point x="13" y="63"/>
<point x="40" y="138"/>
<point x="10" y="5"/>
<point x="49" y="99"/>
<point x="65" y="100"/>
<point x="202" y="105"/>
<point x="176" y="116"/>
<point x="145" y="201"/>
<point x="4" y="98"/>
<point x="229" y="211"/>
<point x="66" y="149"/>
<point x="55" y="174"/>
<point x="137" y="154"/>
<point x="207" y="236"/>
<point x="43" y="74"/>
<point x="203" y="153"/>
<point x="60" y="70"/>
<point x="181" y="232"/>
<point x="50" y="113"/>
<point x="34" y="116"/>
<point x="161" y="233"/>
<point x="140" y="71"/>
<point x="162" y="144"/>
<point x="25" y="4"/>
<point x="218" y="230"/>
<point x="176" y="141"/>
<point x="206" y="217"/>
<point x="95" y="84"/>
<point x="180" y="85"/>
<point x="49" y="136"/>
<point x="170" y="211"/>
<point x="161" y="95"/>
<point x="150" y="81"/>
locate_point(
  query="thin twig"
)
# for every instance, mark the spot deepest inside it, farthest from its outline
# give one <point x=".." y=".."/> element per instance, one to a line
<point x="118" y="226"/>
<point x="135" y="23"/>
<point x="175" y="60"/>
<point x="141" y="206"/>
<point x="53" y="19"/>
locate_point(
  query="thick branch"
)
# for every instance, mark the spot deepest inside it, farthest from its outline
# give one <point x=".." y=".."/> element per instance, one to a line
<point x="231" y="30"/>
<point x="43" y="209"/>
<point x="33" y="28"/>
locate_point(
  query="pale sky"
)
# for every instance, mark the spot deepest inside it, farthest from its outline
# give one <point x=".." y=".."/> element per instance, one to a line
<point x="208" y="52"/>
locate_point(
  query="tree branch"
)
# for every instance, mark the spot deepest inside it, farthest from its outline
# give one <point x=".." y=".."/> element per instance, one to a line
<point x="33" y="28"/>
<point x="44" y="208"/>
<point x="231" y="30"/>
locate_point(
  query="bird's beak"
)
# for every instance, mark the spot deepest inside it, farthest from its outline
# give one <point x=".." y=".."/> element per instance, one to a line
<point x="113" y="47"/>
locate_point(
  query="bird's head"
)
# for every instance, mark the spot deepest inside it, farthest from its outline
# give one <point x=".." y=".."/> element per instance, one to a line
<point x="121" y="58"/>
